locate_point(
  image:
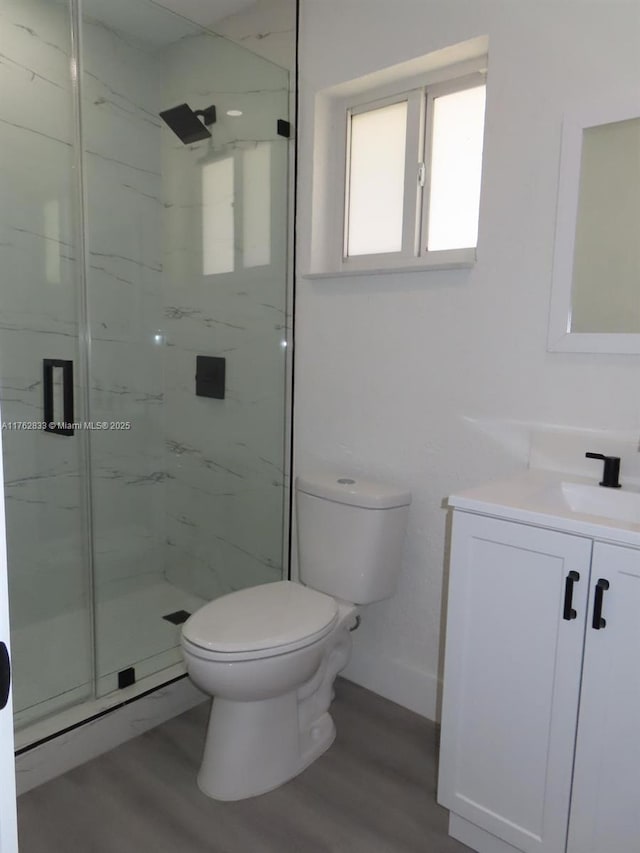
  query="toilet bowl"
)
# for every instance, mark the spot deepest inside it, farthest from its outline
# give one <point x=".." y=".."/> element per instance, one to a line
<point x="269" y="654"/>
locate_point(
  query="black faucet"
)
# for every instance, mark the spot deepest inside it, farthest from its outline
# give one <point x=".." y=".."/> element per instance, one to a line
<point x="611" y="469"/>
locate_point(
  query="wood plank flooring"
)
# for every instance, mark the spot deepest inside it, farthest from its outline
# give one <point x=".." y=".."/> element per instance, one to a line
<point x="372" y="792"/>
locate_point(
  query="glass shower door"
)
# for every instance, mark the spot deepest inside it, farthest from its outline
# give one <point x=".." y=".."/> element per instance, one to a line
<point x="137" y="270"/>
<point x="187" y="274"/>
<point x="40" y="363"/>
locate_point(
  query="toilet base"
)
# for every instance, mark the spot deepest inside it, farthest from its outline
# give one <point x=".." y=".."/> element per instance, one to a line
<point x="254" y="747"/>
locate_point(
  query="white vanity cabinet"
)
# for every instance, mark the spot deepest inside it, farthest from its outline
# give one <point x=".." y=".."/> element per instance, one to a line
<point x="540" y="745"/>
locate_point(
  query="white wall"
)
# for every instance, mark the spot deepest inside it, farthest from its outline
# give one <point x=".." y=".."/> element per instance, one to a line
<point x="437" y="380"/>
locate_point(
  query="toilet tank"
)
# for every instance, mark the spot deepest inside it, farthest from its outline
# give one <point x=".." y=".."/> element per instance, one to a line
<point x="350" y="536"/>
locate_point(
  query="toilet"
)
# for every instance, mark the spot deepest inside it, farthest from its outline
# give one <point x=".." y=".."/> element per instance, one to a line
<point x="269" y="654"/>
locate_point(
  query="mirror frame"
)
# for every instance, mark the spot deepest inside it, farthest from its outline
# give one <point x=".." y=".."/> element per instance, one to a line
<point x="560" y="337"/>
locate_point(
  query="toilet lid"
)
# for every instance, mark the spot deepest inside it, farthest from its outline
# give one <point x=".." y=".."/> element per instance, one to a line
<point x="262" y="617"/>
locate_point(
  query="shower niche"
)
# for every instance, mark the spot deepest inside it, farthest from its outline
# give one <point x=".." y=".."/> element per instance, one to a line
<point x="138" y="234"/>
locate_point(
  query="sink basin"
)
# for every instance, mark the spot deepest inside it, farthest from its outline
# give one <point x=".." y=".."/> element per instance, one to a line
<point x="616" y="504"/>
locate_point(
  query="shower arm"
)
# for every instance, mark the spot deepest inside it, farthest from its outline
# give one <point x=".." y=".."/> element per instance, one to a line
<point x="208" y="115"/>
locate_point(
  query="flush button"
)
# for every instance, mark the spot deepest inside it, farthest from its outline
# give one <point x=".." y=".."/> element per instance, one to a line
<point x="345" y="481"/>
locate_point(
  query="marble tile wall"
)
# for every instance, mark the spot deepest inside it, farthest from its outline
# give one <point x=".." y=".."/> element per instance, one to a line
<point x="225" y="457"/>
<point x="267" y="27"/>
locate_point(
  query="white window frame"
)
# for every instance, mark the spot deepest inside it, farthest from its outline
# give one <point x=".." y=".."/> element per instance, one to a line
<point x="420" y="94"/>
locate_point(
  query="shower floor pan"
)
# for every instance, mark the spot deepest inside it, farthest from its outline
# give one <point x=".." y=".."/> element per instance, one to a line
<point x="131" y="632"/>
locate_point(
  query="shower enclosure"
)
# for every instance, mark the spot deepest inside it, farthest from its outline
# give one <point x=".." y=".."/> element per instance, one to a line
<point x="142" y="336"/>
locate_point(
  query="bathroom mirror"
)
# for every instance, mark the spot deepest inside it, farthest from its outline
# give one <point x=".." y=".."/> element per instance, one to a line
<point x="595" y="302"/>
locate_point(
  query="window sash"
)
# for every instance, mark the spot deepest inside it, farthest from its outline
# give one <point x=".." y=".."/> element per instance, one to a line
<point x="414" y="100"/>
<point x="449" y="87"/>
<point x="418" y="150"/>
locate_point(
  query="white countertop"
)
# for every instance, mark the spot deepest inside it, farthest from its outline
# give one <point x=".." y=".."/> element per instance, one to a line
<point x="536" y="497"/>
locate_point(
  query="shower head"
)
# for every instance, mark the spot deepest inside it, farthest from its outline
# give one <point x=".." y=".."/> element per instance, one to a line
<point x="184" y="122"/>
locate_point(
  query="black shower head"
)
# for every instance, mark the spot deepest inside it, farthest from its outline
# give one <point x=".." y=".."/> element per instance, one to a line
<point x="184" y="122"/>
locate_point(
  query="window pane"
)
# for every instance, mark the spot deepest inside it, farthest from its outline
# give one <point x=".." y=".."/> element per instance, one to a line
<point x="217" y="216"/>
<point x="376" y="180"/>
<point x="456" y="166"/>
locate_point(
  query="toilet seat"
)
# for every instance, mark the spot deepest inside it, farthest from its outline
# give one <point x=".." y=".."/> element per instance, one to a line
<point x="261" y="621"/>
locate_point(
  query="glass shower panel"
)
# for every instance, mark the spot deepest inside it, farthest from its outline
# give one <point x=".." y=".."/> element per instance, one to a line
<point x="225" y="456"/>
<point x="186" y="258"/>
<point x="44" y="480"/>
<point x="124" y="209"/>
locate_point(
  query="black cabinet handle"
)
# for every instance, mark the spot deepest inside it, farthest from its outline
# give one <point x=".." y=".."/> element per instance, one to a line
<point x="598" y="621"/>
<point x="5" y="675"/>
<point x="568" y="611"/>
<point x="51" y="422"/>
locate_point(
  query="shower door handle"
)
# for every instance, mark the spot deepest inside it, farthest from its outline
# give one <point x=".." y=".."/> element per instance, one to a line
<point x="5" y="675"/>
<point x="52" y="422"/>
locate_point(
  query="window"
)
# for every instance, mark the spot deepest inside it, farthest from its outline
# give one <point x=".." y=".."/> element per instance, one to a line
<point x="413" y="169"/>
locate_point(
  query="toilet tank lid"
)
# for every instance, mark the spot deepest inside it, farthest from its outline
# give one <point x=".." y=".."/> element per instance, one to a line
<point x="353" y="490"/>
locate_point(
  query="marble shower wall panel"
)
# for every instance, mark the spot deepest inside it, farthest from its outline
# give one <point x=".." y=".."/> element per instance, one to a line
<point x="123" y="173"/>
<point x="39" y="310"/>
<point x="225" y="457"/>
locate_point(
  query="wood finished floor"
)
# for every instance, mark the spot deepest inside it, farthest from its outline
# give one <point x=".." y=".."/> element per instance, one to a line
<point x="372" y="792"/>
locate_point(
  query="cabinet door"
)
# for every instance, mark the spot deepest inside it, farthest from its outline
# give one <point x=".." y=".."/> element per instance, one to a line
<point x="605" y="805"/>
<point x="512" y="679"/>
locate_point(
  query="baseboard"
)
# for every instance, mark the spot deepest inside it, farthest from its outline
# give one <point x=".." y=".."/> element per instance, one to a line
<point x="403" y="684"/>
<point x="66" y="751"/>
